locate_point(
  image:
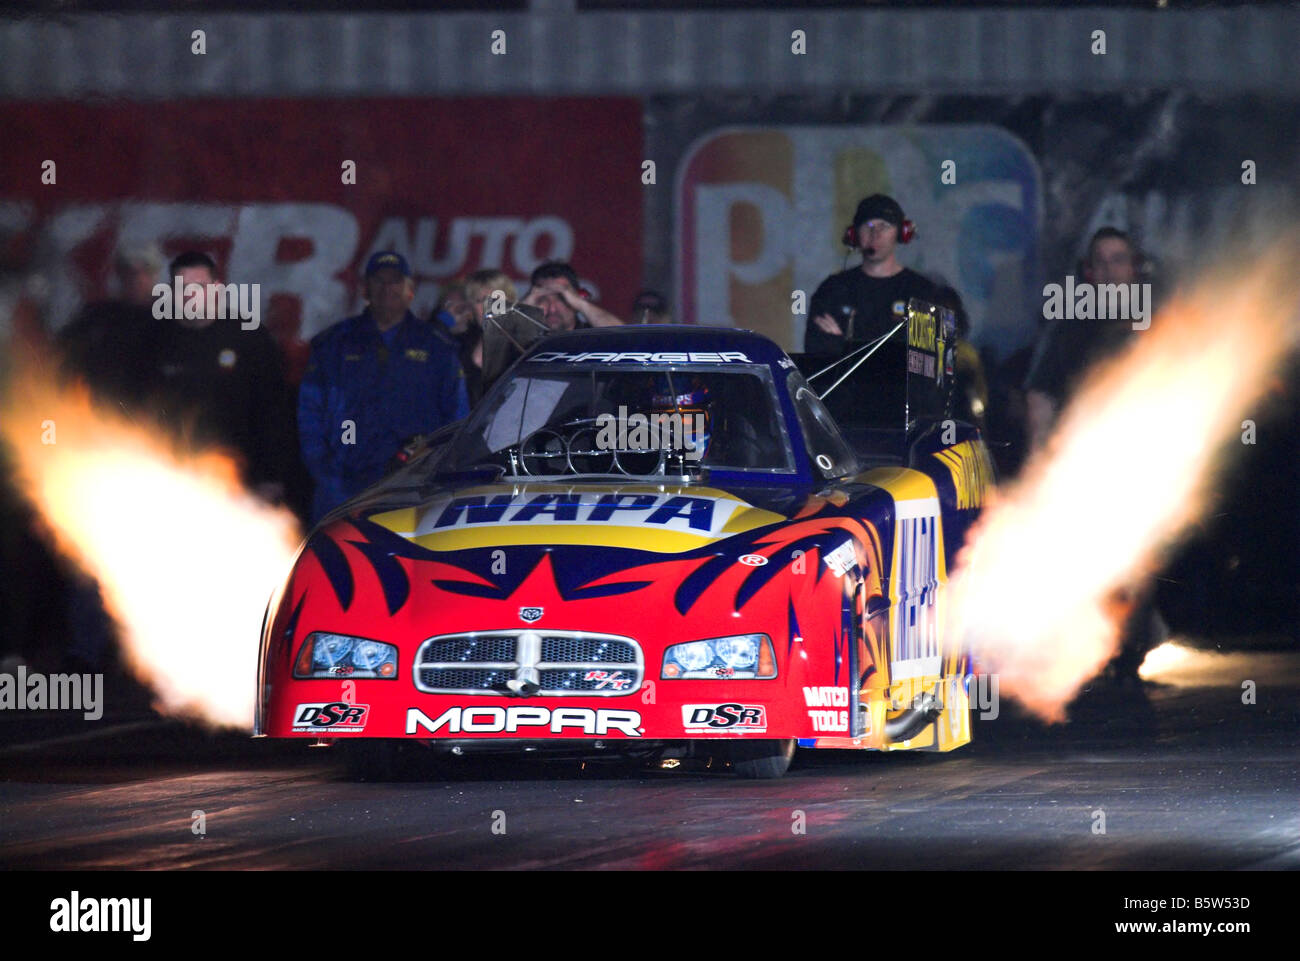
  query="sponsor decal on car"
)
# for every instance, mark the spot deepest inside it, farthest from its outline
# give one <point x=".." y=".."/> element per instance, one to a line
<point x="915" y="578"/>
<point x="842" y="559"/>
<point x="826" y="696"/>
<point x="660" y="519"/>
<point x="511" y="720"/>
<point x="530" y="614"/>
<point x="671" y="511"/>
<point x="643" y="357"/>
<point x="336" y="717"/>
<point x="823" y="697"/>
<point x="753" y="560"/>
<point x="707" y="718"/>
<point x="614" y="680"/>
<point x="829" y="720"/>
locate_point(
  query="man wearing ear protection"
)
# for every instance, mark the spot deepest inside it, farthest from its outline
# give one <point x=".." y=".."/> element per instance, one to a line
<point x="863" y="303"/>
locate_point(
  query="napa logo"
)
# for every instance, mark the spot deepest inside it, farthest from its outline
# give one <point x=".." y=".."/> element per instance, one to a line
<point x="641" y="517"/>
<point x="677" y="511"/>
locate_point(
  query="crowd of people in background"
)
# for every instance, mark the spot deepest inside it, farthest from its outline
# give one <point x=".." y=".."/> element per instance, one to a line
<point x="312" y="431"/>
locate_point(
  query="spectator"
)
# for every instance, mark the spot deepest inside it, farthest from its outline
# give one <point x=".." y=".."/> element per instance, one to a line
<point x="860" y="304"/>
<point x="453" y="311"/>
<point x="650" y="307"/>
<point x="110" y="344"/>
<point x="555" y="291"/>
<point x="1068" y="348"/>
<point x="223" y="384"/>
<point x="486" y="291"/>
<point x="374" y="381"/>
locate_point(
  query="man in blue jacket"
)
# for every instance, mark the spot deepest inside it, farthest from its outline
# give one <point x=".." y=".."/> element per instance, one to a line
<point x="373" y="382"/>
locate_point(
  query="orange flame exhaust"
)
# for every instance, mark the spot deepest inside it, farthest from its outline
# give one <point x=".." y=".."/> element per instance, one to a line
<point x="185" y="557"/>
<point x="1130" y="465"/>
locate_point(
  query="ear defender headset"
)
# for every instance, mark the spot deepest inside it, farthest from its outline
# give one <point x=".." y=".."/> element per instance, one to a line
<point x="879" y="207"/>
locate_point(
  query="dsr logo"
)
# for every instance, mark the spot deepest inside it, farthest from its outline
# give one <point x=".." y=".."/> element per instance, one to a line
<point x="336" y="716"/>
<point x="747" y="717"/>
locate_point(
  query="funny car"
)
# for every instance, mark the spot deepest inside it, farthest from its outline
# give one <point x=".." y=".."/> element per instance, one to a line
<point x="650" y="539"/>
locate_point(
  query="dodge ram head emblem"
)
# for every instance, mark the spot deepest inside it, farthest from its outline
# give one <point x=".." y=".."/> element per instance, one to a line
<point x="530" y="614"/>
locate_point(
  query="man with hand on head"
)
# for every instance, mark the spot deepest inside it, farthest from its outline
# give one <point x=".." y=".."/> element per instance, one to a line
<point x="863" y="303"/>
<point x="556" y="292"/>
<point x="374" y="381"/>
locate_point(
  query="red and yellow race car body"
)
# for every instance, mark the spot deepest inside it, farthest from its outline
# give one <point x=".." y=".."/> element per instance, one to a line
<point x="532" y="608"/>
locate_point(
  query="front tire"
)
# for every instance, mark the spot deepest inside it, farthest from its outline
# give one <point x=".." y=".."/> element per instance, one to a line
<point x="764" y="759"/>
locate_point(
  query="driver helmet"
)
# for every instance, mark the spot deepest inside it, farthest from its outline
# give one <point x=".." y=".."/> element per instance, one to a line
<point x="689" y="399"/>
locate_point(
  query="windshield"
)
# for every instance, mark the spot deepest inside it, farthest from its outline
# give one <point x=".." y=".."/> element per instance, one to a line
<point x="633" y="421"/>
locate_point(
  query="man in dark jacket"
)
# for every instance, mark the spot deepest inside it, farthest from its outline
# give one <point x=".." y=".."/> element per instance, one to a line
<point x="863" y="303"/>
<point x="219" y="379"/>
<point x="373" y="382"/>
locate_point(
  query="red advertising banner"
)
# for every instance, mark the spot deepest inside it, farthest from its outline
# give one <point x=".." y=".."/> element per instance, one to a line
<point x="296" y="194"/>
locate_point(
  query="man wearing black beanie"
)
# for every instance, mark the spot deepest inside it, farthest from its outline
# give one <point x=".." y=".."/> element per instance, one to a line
<point x="863" y="303"/>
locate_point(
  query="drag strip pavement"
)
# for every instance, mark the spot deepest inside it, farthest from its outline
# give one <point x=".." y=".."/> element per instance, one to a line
<point x="1154" y="777"/>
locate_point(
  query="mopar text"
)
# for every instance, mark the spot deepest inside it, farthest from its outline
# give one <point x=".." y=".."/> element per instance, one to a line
<point x="510" y="720"/>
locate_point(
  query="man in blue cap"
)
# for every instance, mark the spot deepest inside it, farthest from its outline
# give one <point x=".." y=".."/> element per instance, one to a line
<point x="373" y="382"/>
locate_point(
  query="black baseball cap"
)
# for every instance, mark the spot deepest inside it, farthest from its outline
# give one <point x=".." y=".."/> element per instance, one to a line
<point x="878" y="207"/>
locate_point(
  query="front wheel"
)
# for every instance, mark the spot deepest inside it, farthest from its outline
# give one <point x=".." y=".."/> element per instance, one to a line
<point x="760" y="758"/>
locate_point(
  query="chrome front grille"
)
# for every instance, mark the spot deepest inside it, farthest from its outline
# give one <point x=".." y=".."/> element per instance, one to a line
<point x="523" y="663"/>
<point x="467" y="648"/>
<point x="587" y="648"/>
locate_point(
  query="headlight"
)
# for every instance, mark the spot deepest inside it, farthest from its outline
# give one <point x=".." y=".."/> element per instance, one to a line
<point x="338" y="655"/>
<point x="738" y="657"/>
<point x="738" y="652"/>
<point x="695" y="656"/>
